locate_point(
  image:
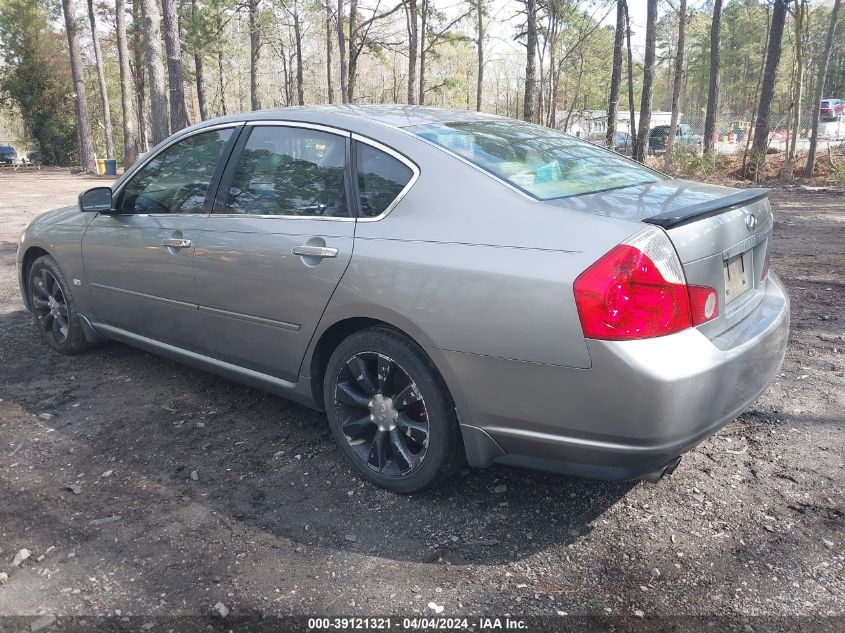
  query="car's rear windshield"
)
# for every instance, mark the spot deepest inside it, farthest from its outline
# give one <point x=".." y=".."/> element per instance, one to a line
<point x="542" y="162"/>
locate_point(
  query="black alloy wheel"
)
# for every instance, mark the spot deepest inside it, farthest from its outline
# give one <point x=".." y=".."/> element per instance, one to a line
<point x="390" y="411"/>
<point x="54" y="307"/>
<point x="383" y="414"/>
<point x="50" y="306"/>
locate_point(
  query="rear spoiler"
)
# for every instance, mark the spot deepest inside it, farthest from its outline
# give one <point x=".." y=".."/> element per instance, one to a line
<point x="709" y="208"/>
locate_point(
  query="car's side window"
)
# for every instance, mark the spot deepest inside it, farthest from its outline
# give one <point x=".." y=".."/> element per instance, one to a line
<point x="178" y="178"/>
<point x="381" y="178"/>
<point x="290" y="171"/>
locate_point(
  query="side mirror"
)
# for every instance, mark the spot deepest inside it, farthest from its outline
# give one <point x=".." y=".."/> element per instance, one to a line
<point x="96" y="200"/>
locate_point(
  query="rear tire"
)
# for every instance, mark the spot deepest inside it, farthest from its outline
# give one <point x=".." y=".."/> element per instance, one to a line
<point x="54" y="308"/>
<point x="390" y="411"/>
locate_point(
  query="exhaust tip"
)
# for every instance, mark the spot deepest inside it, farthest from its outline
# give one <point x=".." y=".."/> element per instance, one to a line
<point x="655" y="476"/>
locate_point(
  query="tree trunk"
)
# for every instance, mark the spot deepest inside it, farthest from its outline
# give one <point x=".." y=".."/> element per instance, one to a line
<point x="341" y="45"/>
<point x="158" y="95"/>
<point x="713" y="90"/>
<point x="641" y="144"/>
<point x="138" y="73"/>
<point x="577" y="92"/>
<point x="767" y="90"/>
<point x="178" y="112"/>
<point x="820" y="81"/>
<point x="539" y="105"/>
<point x="220" y="77"/>
<point x="254" y="52"/>
<point x="789" y="111"/>
<point x="479" y="43"/>
<point x="394" y="90"/>
<point x="297" y="33"/>
<point x="130" y="133"/>
<point x="330" y="89"/>
<point x="423" y="27"/>
<point x="285" y="72"/>
<point x="551" y="101"/>
<point x="554" y="72"/>
<point x="87" y="158"/>
<point x="222" y="87"/>
<point x="632" y="126"/>
<point x="354" y="51"/>
<point x="413" y="47"/>
<point x="530" y="61"/>
<point x="199" y="68"/>
<point x="101" y="78"/>
<point x="616" y="75"/>
<point x="749" y="135"/>
<point x="676" y="84"/>
<point x="798" y="88"/>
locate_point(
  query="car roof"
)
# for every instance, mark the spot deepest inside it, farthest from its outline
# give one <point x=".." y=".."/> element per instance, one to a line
<point x="362" y="119"/>
<point x="395" y="116"/>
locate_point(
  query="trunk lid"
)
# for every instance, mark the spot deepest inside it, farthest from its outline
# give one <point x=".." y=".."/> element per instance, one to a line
<point x="721" y="235"/>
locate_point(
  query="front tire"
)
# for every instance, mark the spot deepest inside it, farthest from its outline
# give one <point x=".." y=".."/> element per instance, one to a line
<point x="390" y="411"/>
<point x="54" y="308"/>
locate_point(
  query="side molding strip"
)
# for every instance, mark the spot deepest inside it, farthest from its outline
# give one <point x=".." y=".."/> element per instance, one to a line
<point x="250" y="377"/>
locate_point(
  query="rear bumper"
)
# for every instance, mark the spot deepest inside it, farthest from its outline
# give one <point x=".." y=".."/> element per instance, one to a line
<point x="640" y="405"/>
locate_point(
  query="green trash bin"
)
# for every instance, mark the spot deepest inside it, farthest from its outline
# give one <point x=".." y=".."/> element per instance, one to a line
<point x="110" y="167"/>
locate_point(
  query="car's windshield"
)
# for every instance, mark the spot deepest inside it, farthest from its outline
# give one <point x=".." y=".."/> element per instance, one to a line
<point x="543" y="162"/>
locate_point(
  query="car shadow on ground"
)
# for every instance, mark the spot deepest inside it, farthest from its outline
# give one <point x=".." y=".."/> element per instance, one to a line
<point x="272" y="464"/>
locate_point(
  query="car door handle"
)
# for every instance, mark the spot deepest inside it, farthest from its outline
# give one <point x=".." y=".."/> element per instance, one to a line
<point x="176" y="242"/>
<point x="307" y="250"/>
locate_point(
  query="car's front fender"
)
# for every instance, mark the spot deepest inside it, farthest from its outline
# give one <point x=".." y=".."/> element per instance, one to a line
<point x="59" y="234"/>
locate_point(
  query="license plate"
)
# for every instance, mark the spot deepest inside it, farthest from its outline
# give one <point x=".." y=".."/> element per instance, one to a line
<point x="737" y="276"/>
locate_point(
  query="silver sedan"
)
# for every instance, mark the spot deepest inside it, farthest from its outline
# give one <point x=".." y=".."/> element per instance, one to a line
<point x="447" y="286"/>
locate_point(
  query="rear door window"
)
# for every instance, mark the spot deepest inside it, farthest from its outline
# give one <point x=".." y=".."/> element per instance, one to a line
<point x="290" y="171"/>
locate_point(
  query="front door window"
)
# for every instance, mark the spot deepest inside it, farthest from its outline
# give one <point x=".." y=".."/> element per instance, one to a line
<point x="176" y="181"/>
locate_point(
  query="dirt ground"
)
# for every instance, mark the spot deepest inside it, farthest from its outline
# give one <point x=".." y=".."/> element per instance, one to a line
<point x="142" y="487"/>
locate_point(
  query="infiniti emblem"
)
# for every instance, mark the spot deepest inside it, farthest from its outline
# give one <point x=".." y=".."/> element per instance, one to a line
<point x="750" y="221"/>
<point x="382" y="412"/>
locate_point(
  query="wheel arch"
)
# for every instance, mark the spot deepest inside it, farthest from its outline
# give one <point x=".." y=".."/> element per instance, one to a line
<point x="337" y="325"/>
<point x="330" y="338"/>
<point x="478" y="446"/>
<point x="30" y="255"/>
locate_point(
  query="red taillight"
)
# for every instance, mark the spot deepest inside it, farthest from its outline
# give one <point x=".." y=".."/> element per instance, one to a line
<point x="638" y="291"/>
<point x="704" y="304"/>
